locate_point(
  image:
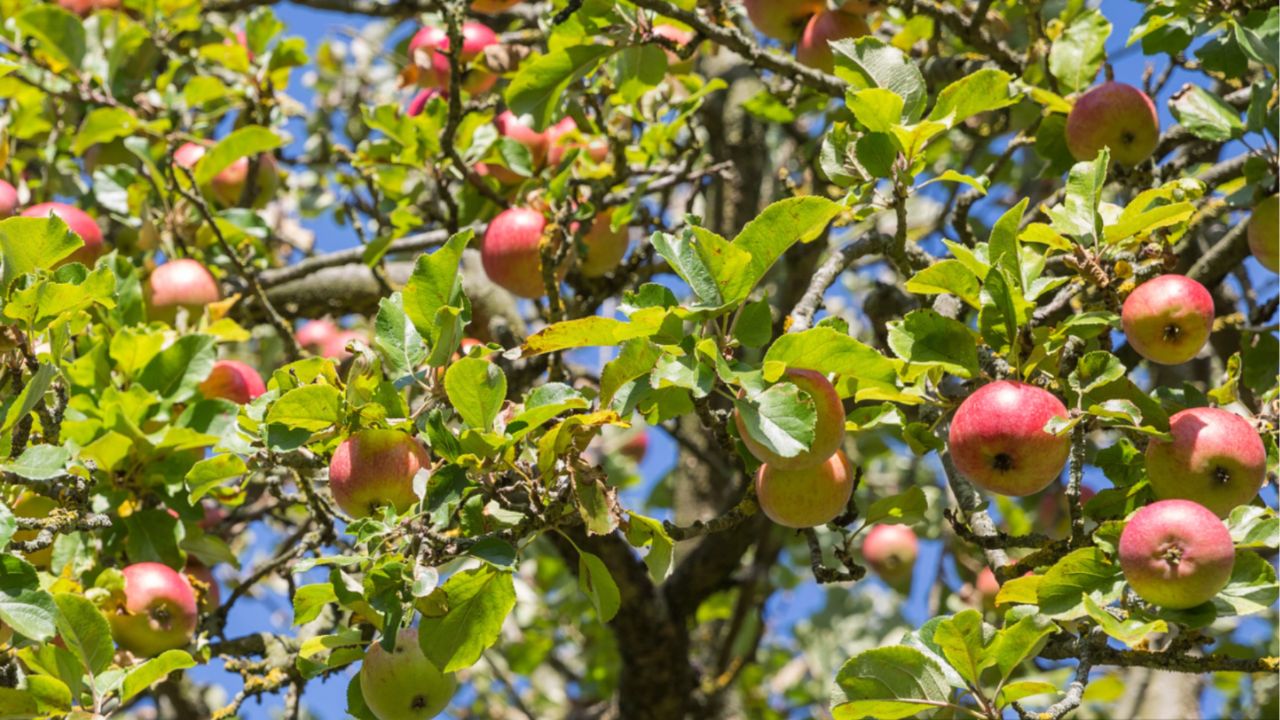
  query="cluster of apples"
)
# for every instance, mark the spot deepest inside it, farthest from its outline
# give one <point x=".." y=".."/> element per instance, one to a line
<point x="811" y="25"/>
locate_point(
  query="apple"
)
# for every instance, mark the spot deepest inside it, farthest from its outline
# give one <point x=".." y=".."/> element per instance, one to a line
<point x="8" y="200"/>
<point x="520" y="129"/>
<point x="890" y="551"/>
<point x="434" y="42"/>
<point x="374" y="468"/>
<point x="420" y="100"/>
<point x="403" y="684"/>
<point x="33" y="505"/>
<point x="1215" y="458"/>
<point x="997" y="438"/>
<point x="1116" y="116"/>
<point x="492" y="7"/>
<point x="315" y="334"/>
<point x="680" y="37"/>
<point x="986" y="587"/>
<point x="827" y="26"/>
<point x="828" y="432"/>
<point x="233" y="380"/>
<point x="806" y="497"/>
<point x="85" y="7"/>
<point x="1176" y="554"/>
<point x="1264" y="232"/>
<point x="1168" y="319"/>
<point x="636" y="446"/>
<point x="336" y="348"/>
<point x="181" y="282"/>
<point x="227" y="187"/>
<point x="605" y="247"/>
<point x="782" y="19"/>
<point x="564" y="136"/>
<point x="158" y="612"/>
<point x="509" y="251"/>
<point x="205" y="585"/>
<point x="79" y="222"/>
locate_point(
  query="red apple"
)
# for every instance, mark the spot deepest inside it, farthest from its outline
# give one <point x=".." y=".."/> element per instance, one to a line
<point x="8" y="200"/>
<point x="403" y="684"/>
<point x="636" y="446"/>
<point x="315" y="334"/>
<point x="680" y="37"/>
<point x="1168" y="319"/>
<point x="826" y="27"/>
<point x="509" y="251"/>
<point x="890" y="550"/>
<point x="419" y="101"/>
<point x="492" y="7"/>
<point x="605" y="247"/>
<point x="564" y="136"/>
<point x="85" y="7"/>
<point x="520" y="129"/>
<point x="806" y="497"/>
<point x="997" y="438"/>
<point x="1116" y="116"/>
<point x="182" y="282"/>
<point x="1264" y="232"/>
<point x="32" y="505"/>
<point x="1216" y="458"/>
<point x="227" y="187"/>
<point x="986" y="587"/>
<point x="828" y="432"/>
<point x="158" y="613"/>
<point x="336" y="347"/>
<point x="782" y="19"/>
<point x="79" y="222"/>
<point x="373" y="468"/>
<point x="233" y="380"/>
<point x="1176" y="554"/>
<point x="434" y="42"/>
<point x="205" y="585"/>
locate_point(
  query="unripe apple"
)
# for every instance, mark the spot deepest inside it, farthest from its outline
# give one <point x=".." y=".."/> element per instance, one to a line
<point x="1176" y="554"/>
<point x="680" y="37"/>
<point x="32" y="505"/>
<point x="605" y="247"/>
<point x="159" y="610"/>
<point x="233" y="380"/>
<point x="1116" y="116"/>
<point x="1264" y="233"/>
<point x="8" y="200"/>
<point x="1216" y="458"/>
<point x="997" y="438"/>
<point x="828" y="430"/>
<point x="520" y="129"/>
<point x="403" y="684"/>
<point x="373" y="468"/>
<point x="827" y="26"/>
<point x="435" y="43"/>
<point x="79" y="222"/>
<point x="890" y="551"/>
<point x="1168" y="319"/>
<point x="806" y="497"/>
<point x="209" y="596"/>
<point x="492" y="7"/>
<point x="782" y="19"/>
<point x="564" y="136"/>
<point x="509" y="251"/>
<point x="181" y="282"/>
<point x="227" y="187"/>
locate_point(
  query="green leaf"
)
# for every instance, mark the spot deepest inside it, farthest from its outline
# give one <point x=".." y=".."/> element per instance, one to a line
<point x="153" y="535"/>
<point x="176" y="371"/>
<point x="591" y="331"/>
<point x="84" y="631"/>
<point x="754" y="326"/>
<point x="639" y="69"/>
<point x="979" y="92"/>
<point x="23" y="606"/>
<point x="479" y="600"/>
<point x="636" y="359"/>
<point x="26" y="401"/>
<point x="947" y="276"/>
<point x="244" y="142"/>
<point x="977" y="183"/>
<point x="8" y="525"/>
<point x="782" y="418"/>
<point x="152" y="671"/>
<point x="594" y="580"/>
<point x="542" y="80"/>
<point x="1079" y="51"/>
<point x="103" y="125"/>
<point x="905" y="508"/>
<point x="1252" y="588"/>
<point x="401" y="344"/>
<point x="15" y="703"/>
<point x="1094" y="370"/>
<point x="1254" y="527"/>
<point x="1128" y="631"/>
<point x="889" y="683"/>
<point x="476" y="389"/>
<point x="771" y="233"/>
<point x="926" y="338"/>
<point x="310" y="407"/>
<point x="57" y="32"/>
<point x="51" y="694"/>
<point x="1015" y="644"/>
<point x="212" y="472"/>
<point x="1015" y="691"/>
<point x="39" y="462"/>
<point x="1077" y="216"/>
<point x="1205" y="115"/>
<point x="687" y="254"/>
<point x="1083" y="571"/>
<point x="878" y="109"/>
<point x="647" y="532"/>
<point x="30" y="243"/>
<point x="1003" y="248"/>
<point x="310" y="600"/>
<point x="828" y="350"/>
<point x="435" y="284"/>
<point x="869" y="62"/>
<point x="960" y="640"/>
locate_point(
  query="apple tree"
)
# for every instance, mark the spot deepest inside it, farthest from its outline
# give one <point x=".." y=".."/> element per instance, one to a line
<point x="640" y="359"/>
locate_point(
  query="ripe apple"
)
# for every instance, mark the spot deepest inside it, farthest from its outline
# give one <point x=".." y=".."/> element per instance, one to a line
<point x="509" y="251"/>
<point x="434" y="43"/>
<point x="1264" y="233"/>
<point x="520" y="129"/>
<point x="227" y="187"/>
<point x="403" y="684"/>
<point x="605" y="247"/>
<point x="806" y="497"/>
<point x="86" y="7"/>
<point x="890" y="550"/>
<point x="374" y="468"/>
<point x="997" y="438"/>
<point x="1176" y="554"/>
<point x="205" y="586"/>
<point x="315" y="334"/>
<point x="828" y="431"/>
<point x="1117" y="116"/>
<point x="1216" y="458"/>
<point x="492" y="7"/>
<point x="1168" y="319"/>
<point x="181" y="282"/>
<point x="636" y="446"/>
<point x="158" y="613"/>
<point x="33" y="505"/>
<point x="986" y="587"/>
<point x="564" y="136"/>
<point x="680" y="37"/>
<point x="827" y="26"/>
<point x="336" y="348"/>
<point x="233" y="380"/>
<point x="79" y="222"/>
<point x="782" y="19"/>
<point x="8" y="200"/>
<point x="419" y="101"/>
